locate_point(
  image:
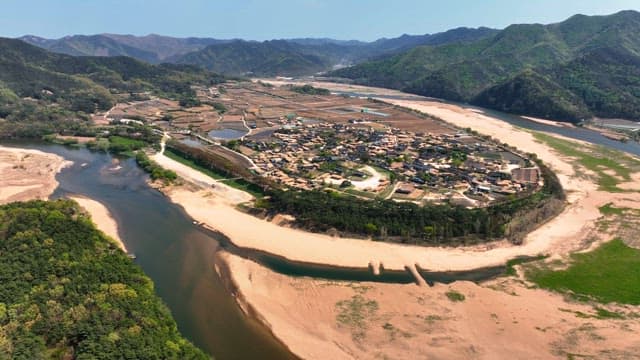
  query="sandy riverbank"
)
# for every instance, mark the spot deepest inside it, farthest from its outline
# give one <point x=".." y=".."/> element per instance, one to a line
<point x="28" y="174"/>
<point x="101" y="217"/>
<point x="320" y="319"/>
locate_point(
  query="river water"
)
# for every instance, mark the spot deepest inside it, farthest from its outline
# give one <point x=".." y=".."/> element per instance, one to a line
<point x="179" y="256"/>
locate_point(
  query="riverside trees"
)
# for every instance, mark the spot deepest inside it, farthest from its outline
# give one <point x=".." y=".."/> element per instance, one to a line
<point x="66" y="291"/>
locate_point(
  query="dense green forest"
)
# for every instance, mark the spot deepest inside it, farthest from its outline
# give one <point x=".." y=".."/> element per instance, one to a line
<point x="585" y="66"/>
<point x="68" y="292"/>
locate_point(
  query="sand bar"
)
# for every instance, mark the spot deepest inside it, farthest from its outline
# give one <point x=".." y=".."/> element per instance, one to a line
<point x="501" y="320"/>
<point x="27" y="174"/>
<point x="101" y="217"/>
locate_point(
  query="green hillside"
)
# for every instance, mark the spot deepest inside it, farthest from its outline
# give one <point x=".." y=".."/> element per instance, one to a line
<point x="267" y="58"/>
<point x="67" y="292"/>
<point x="41" y="86"/>
<point x="584" y="66"/>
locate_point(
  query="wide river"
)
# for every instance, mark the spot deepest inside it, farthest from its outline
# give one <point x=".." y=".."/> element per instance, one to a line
<point x="179" y="256"/>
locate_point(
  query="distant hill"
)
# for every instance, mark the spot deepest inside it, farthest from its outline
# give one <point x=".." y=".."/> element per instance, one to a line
<point x="38" y="85"/>
<point x="308" y="56"/>
<point x="584" y="66"/>
<point x="406" y="42"/>
<point x="304" y="56"/>
<point x="269" y="58"/>
<point x="151" y="48"/>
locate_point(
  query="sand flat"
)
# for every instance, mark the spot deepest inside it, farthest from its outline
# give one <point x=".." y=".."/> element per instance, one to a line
<point x="499" y="320"/>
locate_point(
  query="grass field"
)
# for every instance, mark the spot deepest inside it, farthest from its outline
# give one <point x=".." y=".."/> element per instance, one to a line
<point x="213" y="174"/>
<point x="236" y="183"/>
<point x="601" y="161"/>
<point x="611" y="273"/>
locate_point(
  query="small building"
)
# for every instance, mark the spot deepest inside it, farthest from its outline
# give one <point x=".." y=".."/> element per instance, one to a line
<point x="526" y="175"/>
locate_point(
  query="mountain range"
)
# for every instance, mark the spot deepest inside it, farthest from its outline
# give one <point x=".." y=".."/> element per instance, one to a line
<point x="240" y="57"/>
<point x="582" y="67"/>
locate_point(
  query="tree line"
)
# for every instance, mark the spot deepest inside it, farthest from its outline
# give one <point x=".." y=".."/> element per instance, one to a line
<point x="428" y="225"/>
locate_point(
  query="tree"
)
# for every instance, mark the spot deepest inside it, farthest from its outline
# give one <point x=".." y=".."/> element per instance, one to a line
<point x="371" y="228"/>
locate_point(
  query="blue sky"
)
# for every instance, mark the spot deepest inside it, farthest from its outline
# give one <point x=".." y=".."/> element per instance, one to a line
<point x="269" y="19"/>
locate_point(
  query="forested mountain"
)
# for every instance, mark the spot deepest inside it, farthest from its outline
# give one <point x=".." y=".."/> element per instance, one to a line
<point x="304" y="56"/>
<point x="406" y="42"/>
<point x="67" y="292"/>
<point x="308" y="56"/>
<point x="151" y="48"/>
<point x="584" y="66"/>
<point x="267" y="58"/>
<point x="32" y="79"/>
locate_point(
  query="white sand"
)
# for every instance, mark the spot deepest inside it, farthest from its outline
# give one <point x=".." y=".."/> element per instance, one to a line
<point x="101" y="217"/>
<point x="27" y="174"/>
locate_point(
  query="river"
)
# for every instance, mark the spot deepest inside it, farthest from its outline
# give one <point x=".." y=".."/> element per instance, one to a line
<point x="179" y="256"/>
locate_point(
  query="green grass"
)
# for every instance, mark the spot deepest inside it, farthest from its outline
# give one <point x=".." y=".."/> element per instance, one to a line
<point x="355" y="313"/>
<point x="596" y="159"/>
<point x="609" y="209"/>
<point x="239" y="184"/>
<point x="126" y="142"/>
<point x="455" y="296"/>
<point x="213" y="174"/>
<point x="606" y="314"/>
<point x="611" y="273"/>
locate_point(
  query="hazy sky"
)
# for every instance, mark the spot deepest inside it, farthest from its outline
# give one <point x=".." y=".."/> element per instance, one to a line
<point x="269" y="19"/>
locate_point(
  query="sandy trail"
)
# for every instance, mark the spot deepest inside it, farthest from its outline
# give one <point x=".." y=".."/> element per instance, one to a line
<point x="230" y="196"/>
<point x="102" y="218"/>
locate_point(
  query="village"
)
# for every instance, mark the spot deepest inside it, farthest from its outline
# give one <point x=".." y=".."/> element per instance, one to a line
<point x="353" y="158"/>
<point x="349" y="145"/>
